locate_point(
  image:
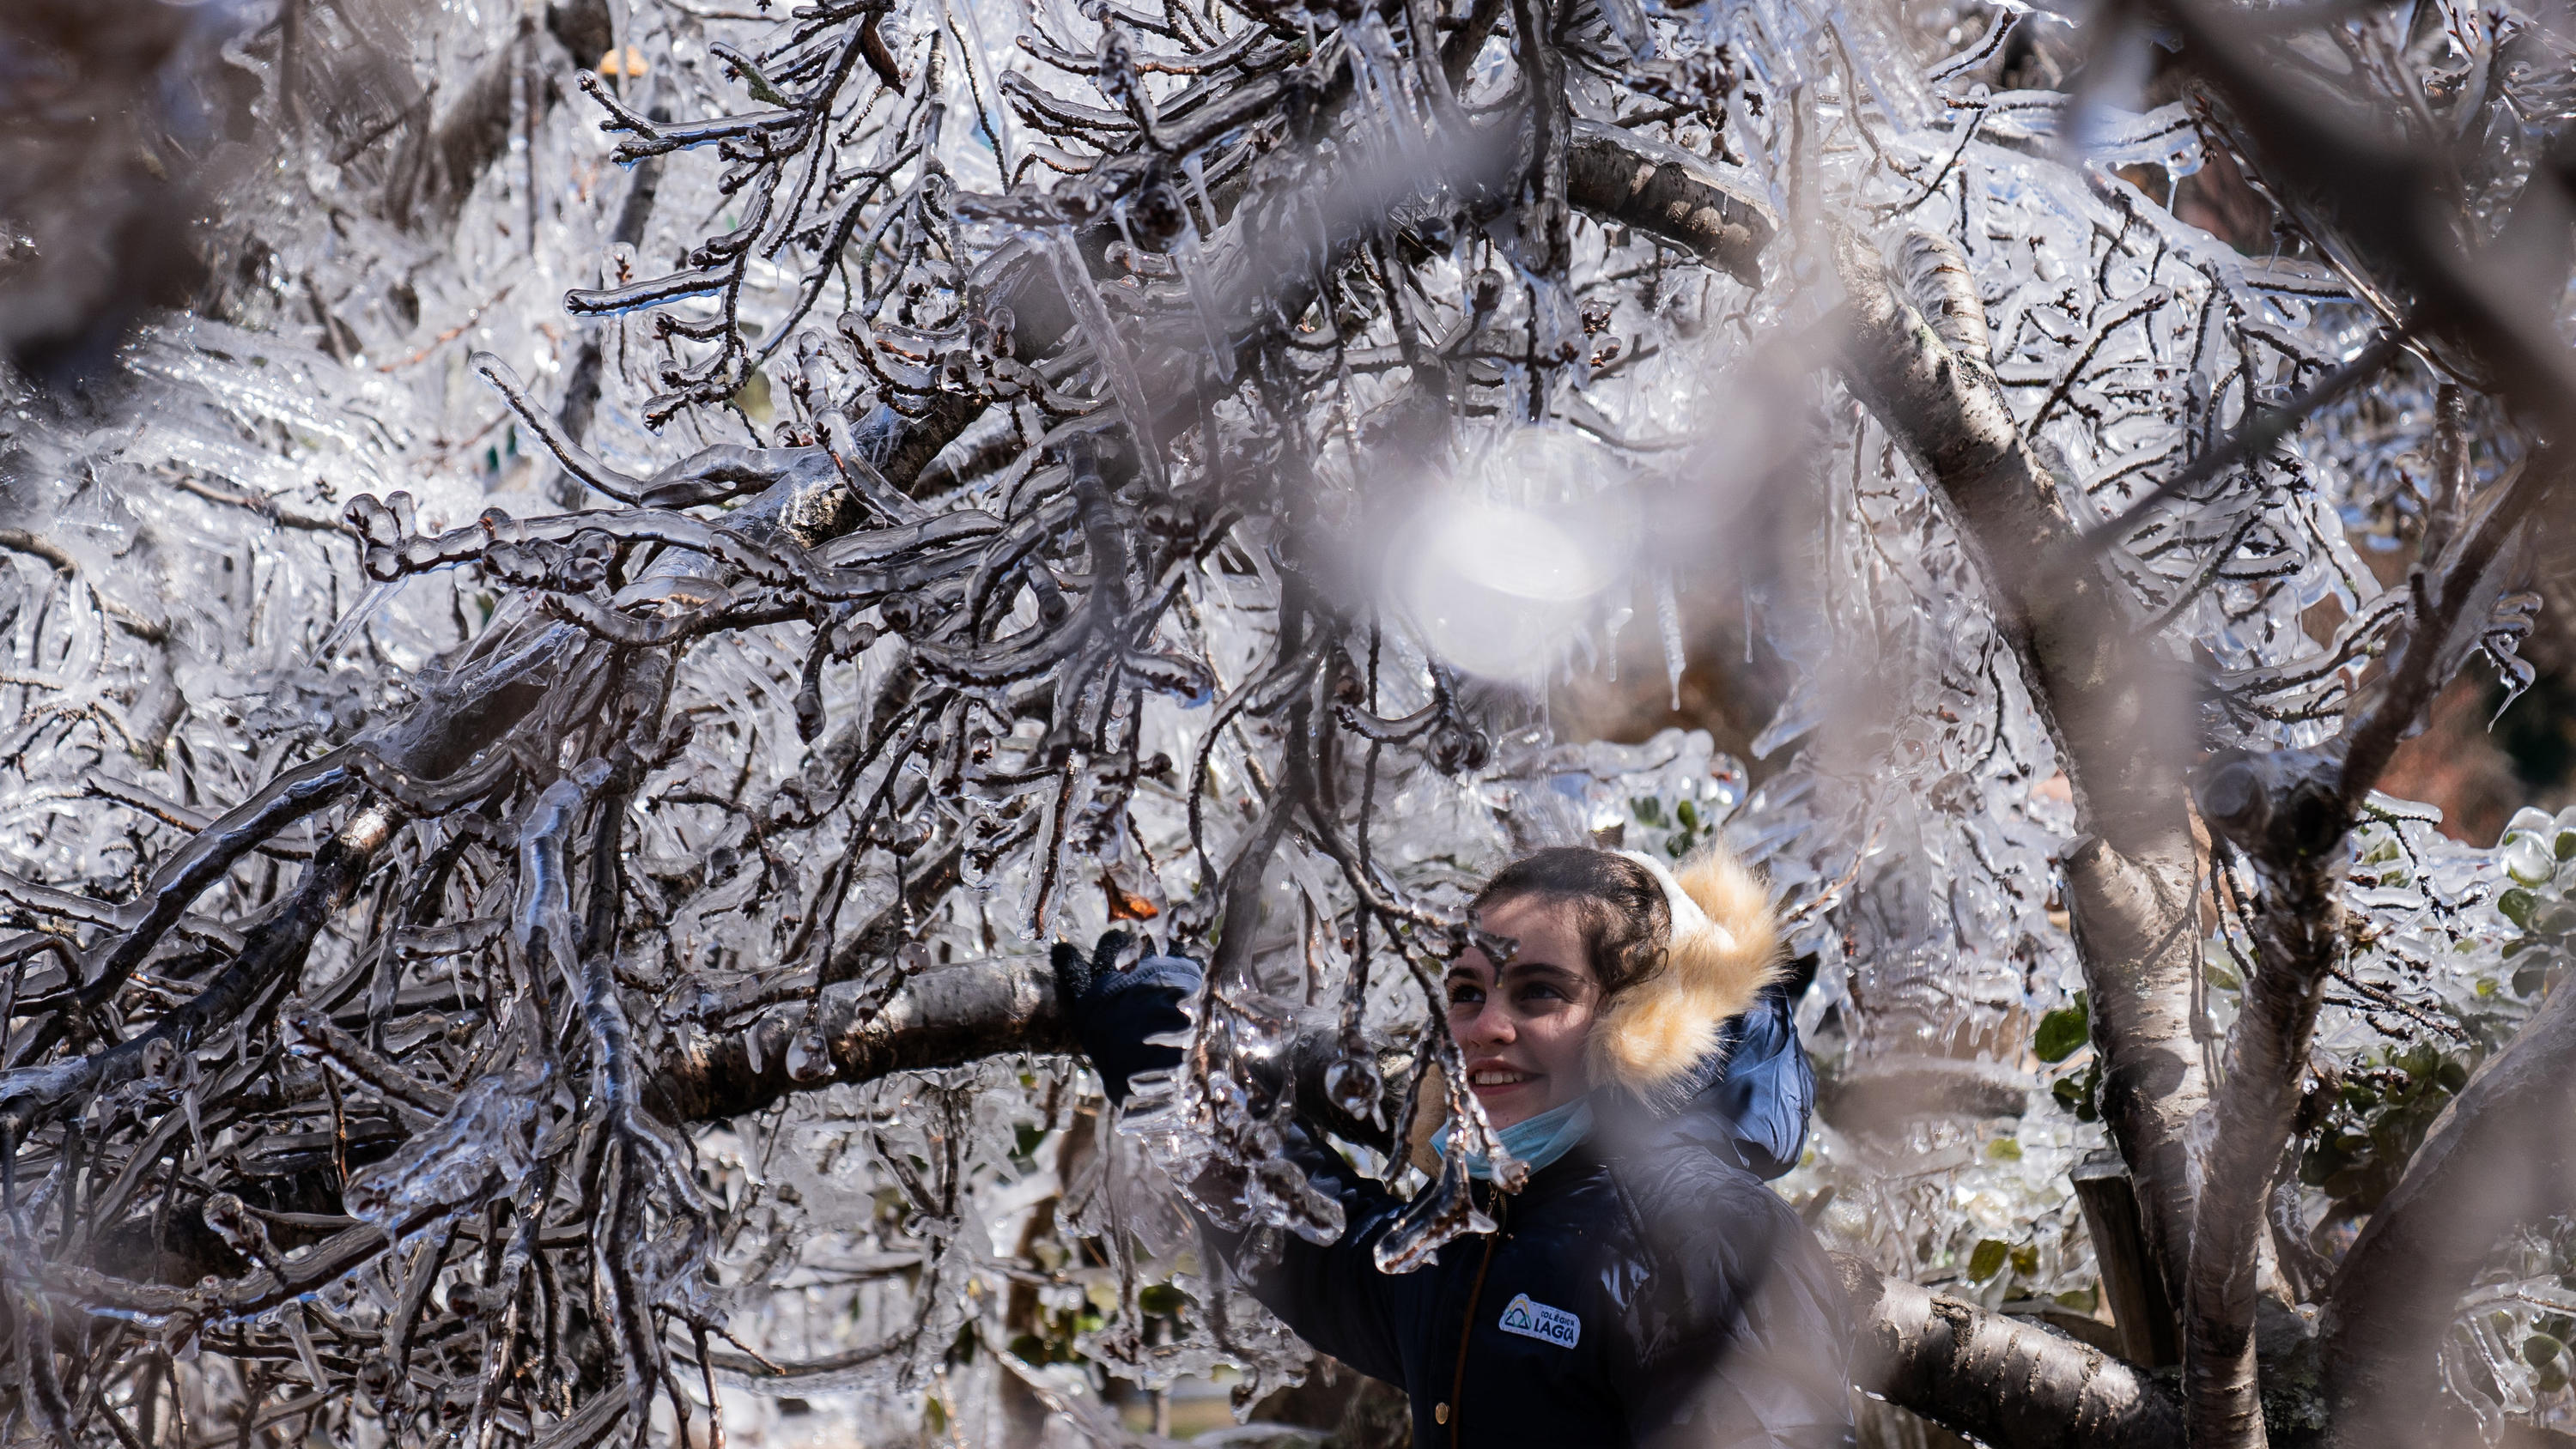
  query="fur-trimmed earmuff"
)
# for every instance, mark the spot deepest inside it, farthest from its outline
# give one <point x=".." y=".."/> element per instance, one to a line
<point x="1725" y="948"/>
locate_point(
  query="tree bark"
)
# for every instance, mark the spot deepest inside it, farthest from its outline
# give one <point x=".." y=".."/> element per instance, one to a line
<point x="2130" y="879"/>
<point x="2296" y="935"/>
<point x="1667" y="192"/>
<point x="2004" y="1382"/>
<point x="947" y="1016"/>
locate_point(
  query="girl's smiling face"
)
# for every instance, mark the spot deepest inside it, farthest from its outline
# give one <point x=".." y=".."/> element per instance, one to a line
<point x="1523" y="1034"/>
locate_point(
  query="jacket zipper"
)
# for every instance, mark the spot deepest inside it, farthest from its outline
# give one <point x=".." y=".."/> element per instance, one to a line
<point x="1467" y="1328"/>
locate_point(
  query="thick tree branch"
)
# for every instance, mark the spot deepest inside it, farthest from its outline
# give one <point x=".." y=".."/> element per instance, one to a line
<point x="944" y="1017"/>
<point x="1665" y="191"/>
<point x="2130" y="881"/>
<point x="2007" y="1383"/>
<point x="2297" y="934"/>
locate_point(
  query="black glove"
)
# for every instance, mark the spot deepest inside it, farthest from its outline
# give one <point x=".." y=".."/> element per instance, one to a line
<point x="1112" y="1011"/>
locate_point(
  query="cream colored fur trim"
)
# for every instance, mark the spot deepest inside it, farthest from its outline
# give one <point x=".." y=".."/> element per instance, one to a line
<point x="1660" y="1028"/>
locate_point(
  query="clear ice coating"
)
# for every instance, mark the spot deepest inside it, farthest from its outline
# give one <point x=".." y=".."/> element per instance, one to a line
<point x="977" y="713"/>
<point x="483" y="1146"/>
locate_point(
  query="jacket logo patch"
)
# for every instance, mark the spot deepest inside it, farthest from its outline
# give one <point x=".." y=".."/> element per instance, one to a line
<point x="1537" y="1320"/>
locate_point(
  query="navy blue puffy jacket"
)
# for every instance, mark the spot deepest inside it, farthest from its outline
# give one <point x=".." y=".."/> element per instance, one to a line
<point x="1642" y="1290"/>
<point x="1645" y="1289"/>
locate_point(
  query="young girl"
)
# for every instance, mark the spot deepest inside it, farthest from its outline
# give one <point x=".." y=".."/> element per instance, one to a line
<point x="1642" y="1287"/>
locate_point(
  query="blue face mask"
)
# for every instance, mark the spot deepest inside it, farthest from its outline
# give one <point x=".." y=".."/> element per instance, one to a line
<point x="1538" y="1141"/>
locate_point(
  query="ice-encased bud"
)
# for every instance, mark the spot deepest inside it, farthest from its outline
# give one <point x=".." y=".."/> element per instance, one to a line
<point x="2529" y="861"/>
<point x="809" y="1056"/>
<point x="483" y="1145"/>
<point x="2531" y="821"/>
<point x="1354" y="1087"/>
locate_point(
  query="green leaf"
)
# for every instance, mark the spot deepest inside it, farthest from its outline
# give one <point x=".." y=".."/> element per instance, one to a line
<point x="2004" y="1149"/>
<point x="1988" y="1259"/>
<point x="2025" y="1259"/>
<point x="2540" y="1348"/>
<point x="2076" y="1092"/>
<point x="761" y="87"/>
<point x="2061" y="1032"/>
<point x="2517" y="905"/>
<point x="1162" y="1300"/>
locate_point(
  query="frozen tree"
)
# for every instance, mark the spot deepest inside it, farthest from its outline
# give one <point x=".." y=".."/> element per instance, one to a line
<point x="555" y="711"/>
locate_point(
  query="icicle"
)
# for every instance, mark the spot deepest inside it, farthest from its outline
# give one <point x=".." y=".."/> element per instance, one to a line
<point x="1193" y="268"/>
<point x="1074" y="275"/>
<point x="995" y="109"/>
<point x="1668" y="615"/>
<point x="1194" y="167"/>
<point x="375" y="602"/>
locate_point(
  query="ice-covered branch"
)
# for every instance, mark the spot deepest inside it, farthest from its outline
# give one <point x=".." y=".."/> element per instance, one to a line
<point x="2131" y="880"/>
<point x="945" y="1016"/>
<point x="2007" y="1383"/>
<point x="1670" y="194"/>
<point x="2290" y="811"/>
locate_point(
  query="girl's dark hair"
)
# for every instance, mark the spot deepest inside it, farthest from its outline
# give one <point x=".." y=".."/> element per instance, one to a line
<point x="1619" y="907"/>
